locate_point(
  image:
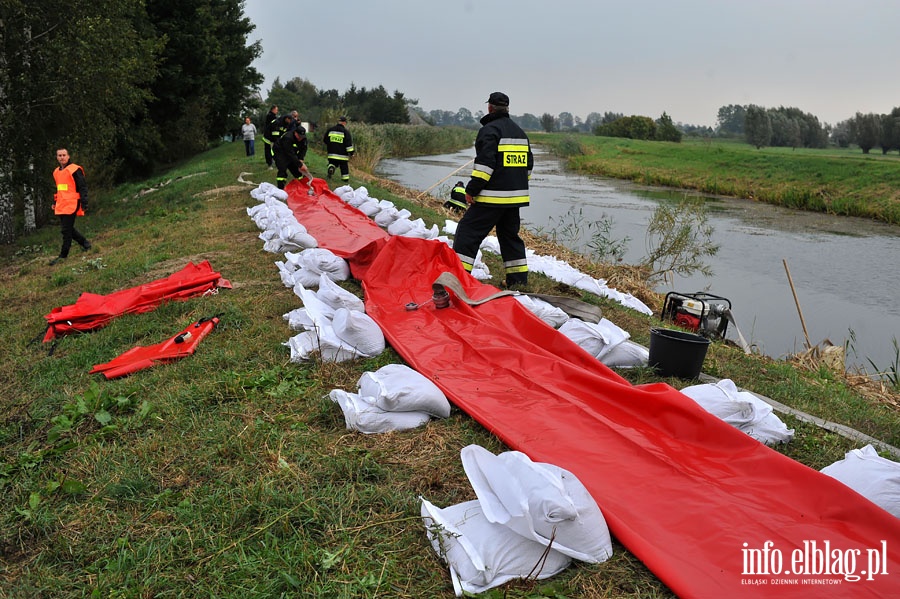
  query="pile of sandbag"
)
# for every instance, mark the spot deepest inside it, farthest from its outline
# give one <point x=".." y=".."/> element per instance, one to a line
<point x="393" y="398"/>
<point x="305" y="267"/>
<point x="742" y="410"/>
<point x="386" y="214"/>
<point x="530" y="520"/>
<point x="280" y="231"/>
<point x="333" y="323"/>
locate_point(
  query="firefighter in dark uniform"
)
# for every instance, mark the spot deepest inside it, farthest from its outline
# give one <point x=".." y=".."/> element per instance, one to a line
<point x="290" y="152"/>
<point x="269" y="137"/>
<point x="339" y="145"/>
<point x="496" y="190"/>
<point x="457" y="201"/>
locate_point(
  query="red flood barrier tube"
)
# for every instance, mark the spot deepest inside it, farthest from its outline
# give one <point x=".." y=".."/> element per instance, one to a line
<point x="91" y="311"/>
<point x="712" y="512"/>
<point x="175" y="348"/>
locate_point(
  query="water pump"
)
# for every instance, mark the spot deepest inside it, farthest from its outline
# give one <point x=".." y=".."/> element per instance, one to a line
<point x="701" y="313"/>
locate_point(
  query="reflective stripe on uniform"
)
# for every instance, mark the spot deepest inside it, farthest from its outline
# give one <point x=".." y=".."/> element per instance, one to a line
<point x="516" y="265"/>
<point x="496" y="196"/>
<point x="338" y="157"/>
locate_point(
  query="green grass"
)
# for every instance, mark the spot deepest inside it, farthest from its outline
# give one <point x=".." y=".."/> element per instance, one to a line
<point x="837" y="181"/>
<point x="230" y="473"/>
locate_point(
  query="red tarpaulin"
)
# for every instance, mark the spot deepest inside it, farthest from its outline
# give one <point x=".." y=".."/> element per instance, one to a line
<point x="178" y="346"/>
<point x="711" y="511"/>
<point x="91" y="311"/>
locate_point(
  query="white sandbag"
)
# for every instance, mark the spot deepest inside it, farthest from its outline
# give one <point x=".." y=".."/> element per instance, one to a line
<point x="336" y="296"/>
<point x="450" y="227"/>
<point x="321" y="341"/>
<point x="345" y="192"/>
<point x="400" y="226"/>
<point x="596" y="339"/>
<point x="399" y="388"/>
<point x="481" y="554"/>
<point x="320" y="312"/>
<point x="539" y="501"/>
<point x="389" y="215"/>
<point x="627" y="354"/>
<point x="872" y="476"/>
<point x="357" y="197"/>
<point x="370" y="207"/>
<point x="359" y="331"/>
<point x="299" y="320"/>
<point x="361" y="414"/>
<point x="742" y="410"/>
<point x="319" y="260"/>
<point x="546" y="311"/>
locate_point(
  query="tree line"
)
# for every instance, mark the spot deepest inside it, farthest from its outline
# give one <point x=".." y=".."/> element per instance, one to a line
<point x="791" y="127"/>
<point x="373" y="106"/>
<point x="125" y="85"/>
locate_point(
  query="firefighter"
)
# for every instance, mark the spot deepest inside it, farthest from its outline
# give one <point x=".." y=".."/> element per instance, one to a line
<point x="269" y="137"/>
<point x="457" y="201"/>
<point x="69" y="202"/>
<point x="498" y="187"/>
<point x="339" y="145"/>
<point x="290" y="153"/>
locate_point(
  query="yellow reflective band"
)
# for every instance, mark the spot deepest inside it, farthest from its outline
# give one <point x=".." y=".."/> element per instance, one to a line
<point x="481" y="175"/>
<point x="336" y="137"/>
<point x="512" y="148"/>
<point x="467" y="267"/>
<point x="523" y="268"/>
<point x="62" y="187"/>
<point x="497" y="200"/>
<point x="515" y="159"/>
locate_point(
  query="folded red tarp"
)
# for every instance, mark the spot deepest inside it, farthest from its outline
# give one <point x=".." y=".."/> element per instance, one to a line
<point x="91" y="311"/>
<point x="178" y="346"/>
<point x="709" y="510"/>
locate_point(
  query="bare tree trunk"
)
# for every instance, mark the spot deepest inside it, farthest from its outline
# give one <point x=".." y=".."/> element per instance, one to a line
<point x="7" y="205"/>
<point x="29" y="201"/>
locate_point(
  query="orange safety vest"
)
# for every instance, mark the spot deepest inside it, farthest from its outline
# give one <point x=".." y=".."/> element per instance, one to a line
<point x="67" y="198"/>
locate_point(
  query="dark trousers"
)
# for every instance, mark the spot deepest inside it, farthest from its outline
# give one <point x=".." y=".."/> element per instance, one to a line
<point x="475" y="225"/>
<point x="249" y="147"/>
<point x="69" y="232"/>
<point x="344" y="165"/>
<point x="284" y="165"/>
<point x="267" y="152"/>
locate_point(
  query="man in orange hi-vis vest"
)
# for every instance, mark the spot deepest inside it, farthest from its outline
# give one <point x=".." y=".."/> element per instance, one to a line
<point x="69" y="202"/>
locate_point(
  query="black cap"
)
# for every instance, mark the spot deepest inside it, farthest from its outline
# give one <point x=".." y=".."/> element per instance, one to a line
<point x="342" y="119"/>
<point x="498" y="99"/>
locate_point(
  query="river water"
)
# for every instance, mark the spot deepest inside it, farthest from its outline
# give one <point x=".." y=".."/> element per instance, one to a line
<point x="844" y="270"/>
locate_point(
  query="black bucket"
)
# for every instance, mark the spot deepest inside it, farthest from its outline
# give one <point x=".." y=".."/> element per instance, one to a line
<point x="677" y="353"/>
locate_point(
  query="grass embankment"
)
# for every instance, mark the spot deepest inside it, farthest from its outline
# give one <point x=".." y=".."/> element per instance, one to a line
<point x="837" y="181"/>
<point x="230" y="473"/>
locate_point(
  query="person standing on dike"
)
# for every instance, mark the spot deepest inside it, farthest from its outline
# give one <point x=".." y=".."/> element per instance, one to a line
<point x="498" y="187"/>
<point x="69" y="202"/>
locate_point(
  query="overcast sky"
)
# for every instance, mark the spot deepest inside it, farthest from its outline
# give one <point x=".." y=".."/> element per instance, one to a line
<point x="685" y="57"/>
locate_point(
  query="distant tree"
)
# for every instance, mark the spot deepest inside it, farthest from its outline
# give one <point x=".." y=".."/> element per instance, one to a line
<point x="632" y="127"/>
<point x="866" y="130"/>
<point x="841" y="134"/>
<point x="890" y="131"/>
<point x="610" y="117"/>
<point x="730" y="120"/>
<point x="527" y="121"/>
<point x="592" y="120"/>
<point x="548" y="122"/>
<point x="566" y="121"/>
<point x="666" y="129"/>
<point x="464" y="118"/>
<point x="757" y="126"/>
